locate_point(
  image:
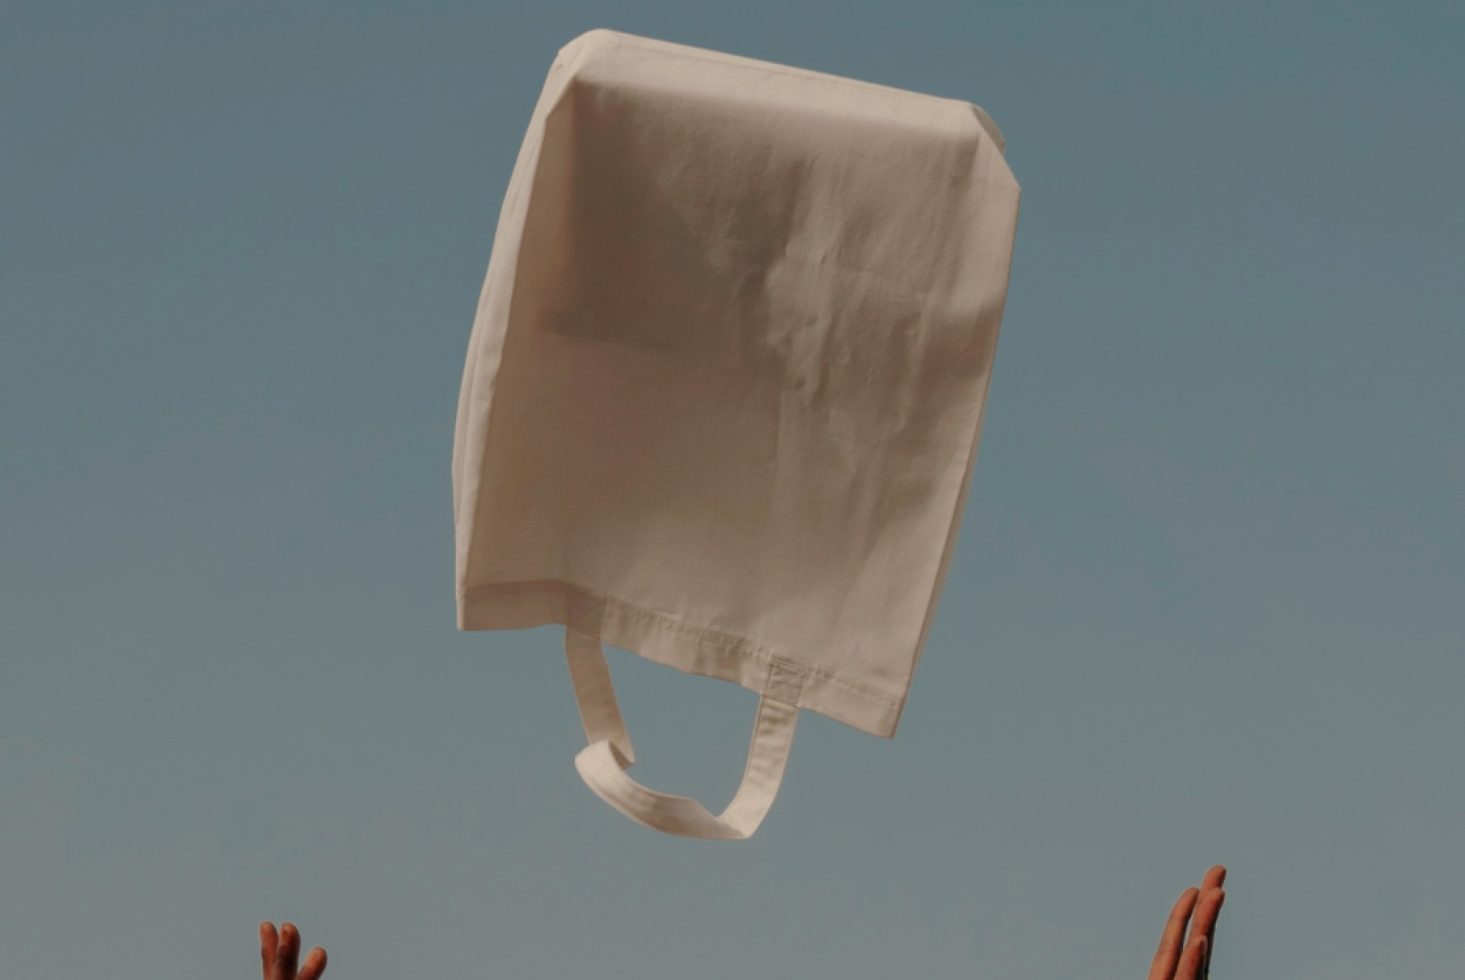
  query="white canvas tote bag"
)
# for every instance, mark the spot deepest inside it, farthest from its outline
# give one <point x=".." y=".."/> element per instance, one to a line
<point x="724" y="388"/>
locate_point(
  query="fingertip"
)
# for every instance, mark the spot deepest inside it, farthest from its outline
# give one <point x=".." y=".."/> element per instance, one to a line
<point x="1184" y="906"/>
<point x="289" y="940"/>
<point x="315" y="964"/>
<point x="269" y="944"/>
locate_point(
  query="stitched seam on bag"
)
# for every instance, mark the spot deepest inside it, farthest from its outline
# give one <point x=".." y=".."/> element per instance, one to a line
<point x="729" y="641"/>
<point x="785" y="681"/>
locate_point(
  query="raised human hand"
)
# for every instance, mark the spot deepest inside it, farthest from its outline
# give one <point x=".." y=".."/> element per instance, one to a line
<point x="279" y="954"/>
<point x="1182" y="958"/>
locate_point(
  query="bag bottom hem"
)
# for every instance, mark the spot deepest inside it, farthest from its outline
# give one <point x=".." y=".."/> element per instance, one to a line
<point x="665" y="640"/>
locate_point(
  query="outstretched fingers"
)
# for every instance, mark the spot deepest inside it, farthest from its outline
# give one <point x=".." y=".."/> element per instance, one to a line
<point x="279" y="954"/>
<point x="1208" y="911"/>
<point x="315" y="965"/>
<point x="287" y="954"/>
<point x="1215" y="878"/>
<point x="1171" y="940"/>
<point x="268" y="942"/>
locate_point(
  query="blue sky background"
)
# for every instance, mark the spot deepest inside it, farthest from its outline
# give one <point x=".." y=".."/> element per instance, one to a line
<point x="1207" y="605"/>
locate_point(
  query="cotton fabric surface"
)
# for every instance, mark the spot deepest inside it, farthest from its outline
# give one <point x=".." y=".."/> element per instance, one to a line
<point x="725" y="386"/>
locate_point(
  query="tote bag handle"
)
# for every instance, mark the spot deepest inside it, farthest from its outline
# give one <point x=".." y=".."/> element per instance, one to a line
<point x="603" y="763"/>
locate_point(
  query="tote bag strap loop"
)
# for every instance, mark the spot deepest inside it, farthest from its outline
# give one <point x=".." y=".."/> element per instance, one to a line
<point x="603" y="763"/>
